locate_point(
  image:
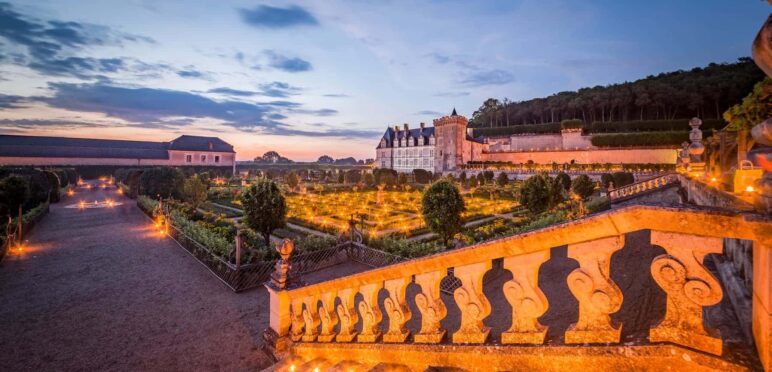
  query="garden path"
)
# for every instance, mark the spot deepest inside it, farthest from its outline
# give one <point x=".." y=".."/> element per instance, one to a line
<point x="98" y="289"/>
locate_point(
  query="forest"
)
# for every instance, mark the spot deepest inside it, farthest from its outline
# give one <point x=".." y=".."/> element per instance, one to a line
<point x="705" y="92"/>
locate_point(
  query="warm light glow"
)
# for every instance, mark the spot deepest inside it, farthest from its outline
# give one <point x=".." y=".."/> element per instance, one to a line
<point x="82" y="204"/>
<point x="713" y="179"/>
<point x="120" y="191"/>
<point x="292" y="368"/>
<point x="70" y="192"/>
<point x="749" y="188"/>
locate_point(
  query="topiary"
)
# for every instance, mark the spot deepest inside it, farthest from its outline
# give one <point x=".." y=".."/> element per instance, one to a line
<point x="441" y="207"/>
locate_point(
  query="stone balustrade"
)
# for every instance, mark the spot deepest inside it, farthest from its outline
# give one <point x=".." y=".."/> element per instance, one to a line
<point x="687" y="235"/>
<point x="640" y="187"/>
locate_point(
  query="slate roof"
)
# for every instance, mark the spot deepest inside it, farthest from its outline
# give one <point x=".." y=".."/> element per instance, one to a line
<point x="392" y="137"/>
<point x="198" y="143"/>
<point x="64" y="147"/>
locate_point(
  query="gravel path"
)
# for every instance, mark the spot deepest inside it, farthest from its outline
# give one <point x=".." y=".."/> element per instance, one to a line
<point x="99" y="290"/>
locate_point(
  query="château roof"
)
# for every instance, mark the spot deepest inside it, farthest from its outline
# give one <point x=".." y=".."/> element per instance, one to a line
<point x="392" y="136"/>
<point x="199" y="143"/>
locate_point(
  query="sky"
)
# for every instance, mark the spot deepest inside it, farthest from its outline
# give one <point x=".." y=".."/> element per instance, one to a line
<point x="308" y="78"/>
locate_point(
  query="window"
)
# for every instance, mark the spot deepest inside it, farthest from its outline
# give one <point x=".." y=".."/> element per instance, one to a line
<point x="203" y="158"/>
<point x="217" y="158"/>
<point x="188" y="158"/>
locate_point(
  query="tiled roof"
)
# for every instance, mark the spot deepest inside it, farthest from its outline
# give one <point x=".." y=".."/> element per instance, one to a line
<point x="63" y="147"/>
<point x="391" y="136"/>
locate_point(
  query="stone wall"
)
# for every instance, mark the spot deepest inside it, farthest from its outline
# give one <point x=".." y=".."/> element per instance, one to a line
<point x="613" y="156"/>
<point x="226" y="160"/>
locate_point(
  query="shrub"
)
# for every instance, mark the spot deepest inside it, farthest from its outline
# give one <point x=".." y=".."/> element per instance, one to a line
<point x="652" y="125"/>
<point x="502" y="180"/>
<point x="606" y="179"/>
<point x="622" y="179"/>
<point x="162" y="181"/>
<point x="518" y="129"/>
<point x="488" y="176"/>
<point x="441" y="207"/>
<point x="404" y="248"/>
<point x="572" y="124"/>
<point x="583" y="186"/>
<point x="462" y="177"/>
<point x="563" y="180"/>
<point x="535" y="193"/>
<point x="313" y="243"/>
<point x="423" y="176"/>
<point x="14" y="192"/>
<point x="264" y="208"/>
<point x="369" y="180"/>
<point x="292" y="180"/>
<point x="387" y="177"/>
<point x="598" y="204"/>
<point x="147" y="204"/>
<point x="671" y="138"/>
<point x="402" y="179"/>
<point x="195" y="191"/>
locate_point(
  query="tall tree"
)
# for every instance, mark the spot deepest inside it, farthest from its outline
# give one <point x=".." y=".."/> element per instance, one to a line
<point x="264" y="208"/>
<point x="441" y="207"/>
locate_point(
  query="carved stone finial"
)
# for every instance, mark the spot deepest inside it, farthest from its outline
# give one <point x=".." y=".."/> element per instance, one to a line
<point x="280" y="276"/>
<point x="689" y="287"/>
<point x="598" y="296"/>
<point x="285" y="249"/>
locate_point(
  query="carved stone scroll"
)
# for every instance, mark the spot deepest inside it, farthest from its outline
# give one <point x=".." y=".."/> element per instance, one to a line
<point x="347" y="315"/>
<point x="296" y="316"/>
<point x="310" y="318"/>
<point x="472" y="303"/>
<point x="397" y="310"/>
<point x="370" y="313"/>
<point x="598" y="296"/>
<point x="527" y="300"/>
<point x="431" y="307"/>
<point x="328" y="317"/>
<point x="689" y="287"/>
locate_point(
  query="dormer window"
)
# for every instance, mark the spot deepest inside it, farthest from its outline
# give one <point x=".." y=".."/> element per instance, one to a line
<point x="203" y="158"/>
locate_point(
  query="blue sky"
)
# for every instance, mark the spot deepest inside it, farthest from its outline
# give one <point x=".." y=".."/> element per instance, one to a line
<point x="308" y="78"/>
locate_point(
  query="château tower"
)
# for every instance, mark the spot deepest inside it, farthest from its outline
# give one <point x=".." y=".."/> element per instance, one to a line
<point x="450" y="133"/>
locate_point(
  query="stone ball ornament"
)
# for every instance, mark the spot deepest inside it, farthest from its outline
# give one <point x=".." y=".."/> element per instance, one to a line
<point x="696" y="148"/>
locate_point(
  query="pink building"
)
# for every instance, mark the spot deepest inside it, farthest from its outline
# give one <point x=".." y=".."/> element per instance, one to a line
<point x="64" y="151"/>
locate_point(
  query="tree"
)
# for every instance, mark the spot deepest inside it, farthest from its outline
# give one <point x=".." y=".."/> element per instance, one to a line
<point x="386" y="177"/>
<point x="442" y="206"/>
<point x="195" y="191"/>
<point x="325" y="159"/>
<point x="462" y="177"/>
<point x="502" y="180"/>
<point x="564" y="180"/>
<point x="402" y="179"/>
<point x="754" y="108"/>
<point x="606" y="179"/>
<point x="622" y="179"/>
<point x="352" y="176"/>
<point x="14" y="192"/>
<point x="422" y="176"/>
<point x="292" y="180"/>
<point x="272" y="157"/>
<point x="535" y="193"/>
<point x="480" y="179"/>
<point x="488" y="176"/>
<point x="583" y="186"/>
<point x="165" y="182"/>
<point x="369" y="179"/>
<point x="341" y="178"/>
<point x="264" y="208"/>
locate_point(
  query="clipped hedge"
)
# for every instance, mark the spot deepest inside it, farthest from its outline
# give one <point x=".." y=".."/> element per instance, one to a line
<point x="652" y="126"/>
<point x="518" y="129"/>
<point x="672" y="138"/>
<point x="572" y="124"/>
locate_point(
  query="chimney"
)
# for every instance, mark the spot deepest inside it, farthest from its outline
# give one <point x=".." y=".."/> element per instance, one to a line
<point x="406" y="128"/>
<point x="396" y="128"/>
<point x="422" y="126"/>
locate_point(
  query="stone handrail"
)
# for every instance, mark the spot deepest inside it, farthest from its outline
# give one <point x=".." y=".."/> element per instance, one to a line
<point x="686" y="234"/>
<point x="633" y="189"/>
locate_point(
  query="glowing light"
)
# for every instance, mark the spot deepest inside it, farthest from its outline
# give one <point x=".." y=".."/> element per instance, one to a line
<point x="120" y="191"/>
<point x="292" y="368"/>
<point x="713" y="179"/>
<point x="81" y="204"/>
<point x="70" y="192"/>
<point x="749" y="188"/>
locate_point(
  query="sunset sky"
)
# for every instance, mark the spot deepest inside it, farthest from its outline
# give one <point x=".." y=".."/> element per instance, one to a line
<point x="308" y="78"/>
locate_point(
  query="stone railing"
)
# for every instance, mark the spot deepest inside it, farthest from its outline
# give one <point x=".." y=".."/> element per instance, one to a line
<point x="347" y="309"/>
<point x="637" y="188"/>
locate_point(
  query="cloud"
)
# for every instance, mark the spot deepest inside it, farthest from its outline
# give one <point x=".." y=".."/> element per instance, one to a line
<point x="192" y="73"/>
<point x="49" y="47"/>
<point x="46" y="123"/>
<point x="487" y="77"/>
<point x="264" y="16"/>
<point x="9" y="101"/>
<point x="157" y="106"/>
<point x="336" y="95"/>
<point x="287" y="64"/>
<point x="429" y="113"/>
<point x="232" y="92"/>
<point x="278" y="89"/>
<point x="320" y="112"/>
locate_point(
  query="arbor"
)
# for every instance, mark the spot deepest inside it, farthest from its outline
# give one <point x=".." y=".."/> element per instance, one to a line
<point x="165" y="182"/>
<point x="441" y="207"/>
<point x="195" y="191"/>
<point x="14" y="192"/>
<point x="264" y="208"/>
<point x="502" y="180"/>
<point x="564" y="180"/>
<point x="292" y="180"/>
<point x="583" y="186"/>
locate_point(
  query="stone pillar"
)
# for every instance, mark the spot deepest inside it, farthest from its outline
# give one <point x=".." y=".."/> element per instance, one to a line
<point x="276" y="336"/>
<point x="696" y="148"/>
<point x="762" y="299"/>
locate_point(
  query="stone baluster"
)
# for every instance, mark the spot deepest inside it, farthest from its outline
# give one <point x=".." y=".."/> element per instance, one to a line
<point x="598" y="296"/>
<point x="347" y="315"/>
<point x="527" y="300"/>
<point x="328" y="317"/>
<point x="397" y="310"/>
<point x="370" y="313"/>
<point x="472" y="303"/>
<point x="310" y="318"/>
<point x="689" y="287"/>
<point x="296" y="316"/>
<point x="431" y="307"/>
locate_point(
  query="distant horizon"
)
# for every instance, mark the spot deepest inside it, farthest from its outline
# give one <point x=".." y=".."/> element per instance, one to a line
<point x="306" y="80"/>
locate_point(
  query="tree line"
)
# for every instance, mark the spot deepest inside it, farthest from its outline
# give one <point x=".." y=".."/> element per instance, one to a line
<point x="705" y="92"/>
